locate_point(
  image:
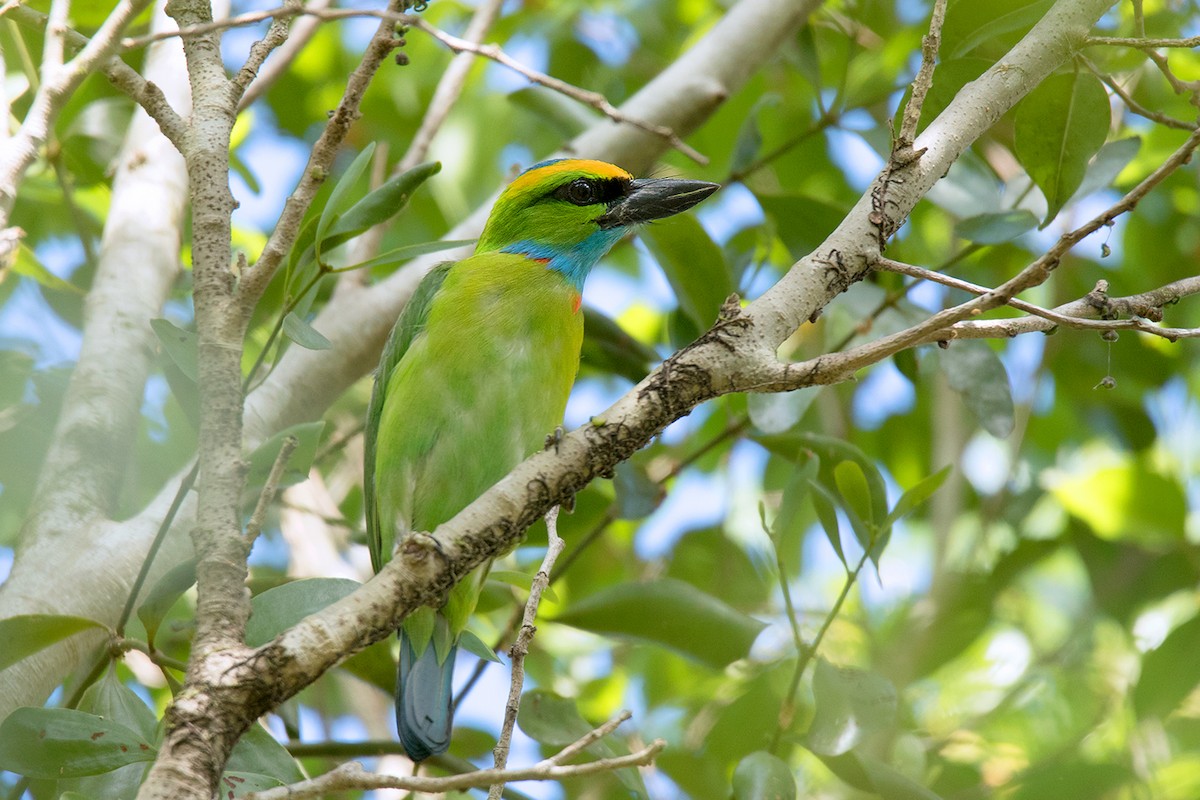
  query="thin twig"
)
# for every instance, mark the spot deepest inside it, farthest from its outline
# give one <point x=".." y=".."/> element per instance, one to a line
<point x="930" y="43"/>
<point x="254" y="526"/>
<point x="1133" y="105"/>
<point x="301" y="34"/>
<point x="454" y="43"/>
<point x="520" y="648"/>
<point x="277" y="34"/>
<point x="449" y="86"/>
<point x="351" y="776"/>
<point x="1061" y="315"/>
<point x="1140" y="43"/>
<point x="836" y="367"/>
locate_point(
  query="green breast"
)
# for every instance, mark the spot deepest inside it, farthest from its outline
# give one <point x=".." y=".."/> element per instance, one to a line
<point x="478" y="390"/>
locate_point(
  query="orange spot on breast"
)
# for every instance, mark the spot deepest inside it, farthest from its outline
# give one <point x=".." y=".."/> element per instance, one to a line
<point x="576" y="303"/>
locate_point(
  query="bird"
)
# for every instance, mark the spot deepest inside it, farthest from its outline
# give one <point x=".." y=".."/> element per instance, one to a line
<point x="475" y="374"/>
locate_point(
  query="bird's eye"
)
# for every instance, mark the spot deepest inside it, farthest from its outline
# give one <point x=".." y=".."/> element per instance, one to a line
<point x="581" y="192"/>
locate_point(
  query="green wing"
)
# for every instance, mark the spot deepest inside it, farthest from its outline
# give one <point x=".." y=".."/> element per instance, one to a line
<point x="408" y="326"/>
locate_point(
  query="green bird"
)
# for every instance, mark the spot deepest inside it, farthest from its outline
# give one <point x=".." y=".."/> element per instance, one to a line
<point x="475" y="374"/>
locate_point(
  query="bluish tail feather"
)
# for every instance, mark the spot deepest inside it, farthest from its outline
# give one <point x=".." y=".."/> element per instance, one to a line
<point x="424" y="706"/>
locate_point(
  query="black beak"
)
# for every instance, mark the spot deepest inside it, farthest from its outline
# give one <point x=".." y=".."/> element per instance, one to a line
<point x="648" y="199"/>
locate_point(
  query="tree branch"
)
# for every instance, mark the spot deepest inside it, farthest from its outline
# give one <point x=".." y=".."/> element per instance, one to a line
<point x="520" y="647"/>
<point x="351" y="775"/>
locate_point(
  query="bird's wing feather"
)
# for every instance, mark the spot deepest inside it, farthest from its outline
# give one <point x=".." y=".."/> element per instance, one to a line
<point x="407" y="328"/>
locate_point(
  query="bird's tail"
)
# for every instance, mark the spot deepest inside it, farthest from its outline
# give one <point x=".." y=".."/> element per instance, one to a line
<point x="424" y="706"/>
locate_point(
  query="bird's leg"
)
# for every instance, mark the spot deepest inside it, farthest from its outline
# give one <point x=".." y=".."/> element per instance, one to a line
<point x="554" y="439"/>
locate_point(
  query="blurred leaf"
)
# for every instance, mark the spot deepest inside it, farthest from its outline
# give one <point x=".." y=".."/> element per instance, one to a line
<point x="1107" y="165"/>
<point x="1125" y="501"/>
<point x="1020" y="19"/>
<point x="762" y="776"/>
<point x="1073" y="780"/>
<point x="997" y="227"/>
<point x="870" y="775"/>
<point x="776" y="412"/>
<point x="179" y="344"/>
<point x="786" y="524"/>
<point x="476" y="646"/>
<point x="915" y="497"/>
<point x="850" y="704"/>
<point x="825" y="506"/>
<point x="974" y="371"/>
<point x="567" y="116"/>
<point x="693" y="264"/>
<point x="110" y="699"/>
<point x="1164" y="683"/>
<point x="520" y="580"/>
<point x="66" y="743"/>
<point x="302" y="333"/>
<point x="749" y="139"/>
<point x="27" y="265"/>
<point x="276" y="610"/>
<point x="802" y="222"/>
<point x="240" y="784"/>
<point x="163" y="595"/>
<point x="669" y="612"/>
<point x="1060" y="125"/>
<point x="263" y="457"/>
<point x="852" y="484"/>
<point x="555" y="721"/>
<point x="608" y="348"/>
<point x="402" y="254"/>
<point x="26" y="634"/>
<point x="637" y="495"/>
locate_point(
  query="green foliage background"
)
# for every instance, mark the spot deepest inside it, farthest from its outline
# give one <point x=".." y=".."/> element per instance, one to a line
<point x="1029" y="632"/>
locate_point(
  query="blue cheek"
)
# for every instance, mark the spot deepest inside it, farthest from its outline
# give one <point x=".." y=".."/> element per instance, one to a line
<point x="576" y="262"/>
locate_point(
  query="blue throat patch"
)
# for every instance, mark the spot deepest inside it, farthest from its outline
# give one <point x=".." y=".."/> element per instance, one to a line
<point x="575" y="263"/>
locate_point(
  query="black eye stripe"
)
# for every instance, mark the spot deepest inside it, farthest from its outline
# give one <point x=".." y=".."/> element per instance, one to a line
<point x="590" y="191"/>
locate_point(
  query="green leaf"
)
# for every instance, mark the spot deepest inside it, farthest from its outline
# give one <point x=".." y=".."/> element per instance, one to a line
<point x="974" y="371"/>
<point x="787" y="520"/>
<point x="1164" y="681"/>
<point x="1076" y="779"/>
<point x="825" y="506"/>
<point x="1019" y="19"/>
<point x="278" y="609"/>
<point x="1108" y="164"/>
<point x="258" y="752"/>
<point x="263" y="457"/>
<point x="669" y="612"/>
<point x="179" y="344"/>
<point x="637" y="495"/>
<point x="476" y="646"/>
<point x="339" y="197"/>
<point x="569" y="117"/>
<point x="850" y="703"/>
<point x="820" y="218"/>
<point x="163" y="595"/>
<point x="555" y="721"/>
<point x="997" y="227"/>
<point x="917" y="495"/>
<point x="749" y="139"/>
<point x="762" y="776"/>
<point x="401" y="254"/>
<point x="65" y="743"/>
<point x="28" y="265"/>
<point x="694" y="265"/>
<point x="776" y="412"/>
<point x="110" y="699"/>
<point x="1128" y="500"/>
<point x="852" y="485"/>
<point x="1059" y="126"/>
<point x="304" y="334"/>
<point x="26" y="634"/>
<point x="379" y="205"/>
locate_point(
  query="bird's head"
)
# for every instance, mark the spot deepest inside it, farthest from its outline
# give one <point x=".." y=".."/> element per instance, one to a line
<point x="569" y="212"/>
